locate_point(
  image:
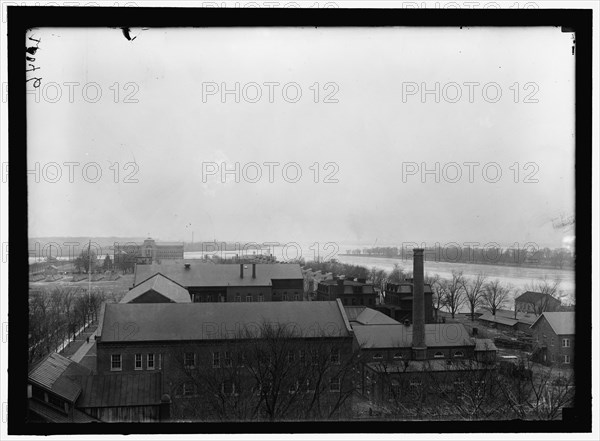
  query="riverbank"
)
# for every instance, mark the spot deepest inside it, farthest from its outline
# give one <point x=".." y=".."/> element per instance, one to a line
<point x="528" y="266"/>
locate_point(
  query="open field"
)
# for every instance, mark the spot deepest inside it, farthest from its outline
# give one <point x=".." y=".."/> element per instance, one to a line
<point x="115" y="289"/>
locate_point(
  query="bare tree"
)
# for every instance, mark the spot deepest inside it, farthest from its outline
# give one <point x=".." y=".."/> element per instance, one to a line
<point x="275" y="374"/>
<point x="547" y="286"/>
<point x="495" y="295"/>
<point x="453" y="292"/>
<point x="474" y="290"/>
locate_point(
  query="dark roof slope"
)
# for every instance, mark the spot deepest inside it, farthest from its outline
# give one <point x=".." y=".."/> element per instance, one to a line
<point x="55" y="374"/>
<point x="210" y="274"/>
<point x="214" y="321"/>
<point x="172" y="291"/>
<point x="368" y="316"/>
<point x="400" y="336"/>
<point x="122" y="389"/>
<point x="532" y="297"/>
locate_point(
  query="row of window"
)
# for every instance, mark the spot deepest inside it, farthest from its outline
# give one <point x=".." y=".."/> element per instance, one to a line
<point x="153" y="361"/>
<point x="565" y="343"/>
<point x="223" y="359"/>
<point x="229" y="387"/>
<point x="354" y="303"/>
<point x="439" y="354"/>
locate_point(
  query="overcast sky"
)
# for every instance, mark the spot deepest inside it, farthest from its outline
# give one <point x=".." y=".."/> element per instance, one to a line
<point x="378" y="127"/>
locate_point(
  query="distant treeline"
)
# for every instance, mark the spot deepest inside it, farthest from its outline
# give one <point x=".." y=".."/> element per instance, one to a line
<point x="526" y="255"/>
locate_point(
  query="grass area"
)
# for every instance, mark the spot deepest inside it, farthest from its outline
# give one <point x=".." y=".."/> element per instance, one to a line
<point x="113" y="288"/>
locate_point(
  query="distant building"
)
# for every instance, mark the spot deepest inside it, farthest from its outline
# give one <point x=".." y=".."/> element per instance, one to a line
<point x="508" y="320"/>
<point x="352" y="292"/>
<point x="312" y="280"/>
<point x="152" y="251"/>
<point x="555" y="335"/>
<point x="209" y="282"/>
<point x="157" y="289"/>
<point x="536" y="302"/>
<point x="398" y="301"/>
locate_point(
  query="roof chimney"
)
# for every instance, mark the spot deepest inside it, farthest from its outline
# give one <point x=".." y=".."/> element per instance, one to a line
<point x="241" y="270"/>
<point x="418" y="337"/>
<point x="254" y="270"/>
<point x="187" y="266"/>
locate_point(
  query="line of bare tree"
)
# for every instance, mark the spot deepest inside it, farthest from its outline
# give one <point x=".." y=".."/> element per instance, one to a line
<point x="57" y="315"/>
<point x="279" y="376"/>
<point x="472" y="391"/>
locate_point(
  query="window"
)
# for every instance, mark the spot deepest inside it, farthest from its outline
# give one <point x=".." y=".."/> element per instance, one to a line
<point x="290" y="356"/>
<point x="150" y="361"/>
<point x="302" y="356"/>
<point x="189" y="360"/>
<point x="314" y="356"/>
<point x="285" y="297"/>
<point x="115" y="362"/>
<point x="261" y="298"/>
<point x="216" y="359"/>
<point x="296" y="298"/>
<point x="138" y="362"/>
<point x="377" y="357"/>
<point x="227" y="359"/>
<point x="415" y="383"/>
<point x="566" y="343"/>
<point x="397" y="356"/>
<point x="459" y="354"/>
<point x="228" y="387"/>
<point x="55" y="401"/>
<point x="567" y="359"/>
<point x="395" y="388"/>
<point x="249" y="298"/>
<point x="370" y="301"/>
<point x="335" y="356"/>
<point x="159" y="361"/>
<point x="334" y="384"/>
<point x="189" y="389"/>
<point x="238" y="298"/>
<point x="362" y="301"/>
<point x="459" y="383"/>
<point x="551" y="341"/>
<point x="438" y="355"/>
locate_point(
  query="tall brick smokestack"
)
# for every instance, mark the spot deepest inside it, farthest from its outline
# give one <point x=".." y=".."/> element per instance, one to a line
<point x="241" y="270"/>
<point x="418" y="337"/>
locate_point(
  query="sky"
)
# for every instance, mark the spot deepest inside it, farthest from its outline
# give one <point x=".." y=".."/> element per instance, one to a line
<point x="150" y="116"/>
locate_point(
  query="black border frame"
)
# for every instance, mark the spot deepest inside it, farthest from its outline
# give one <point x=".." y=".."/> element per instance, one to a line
<point x="22" y="18"/>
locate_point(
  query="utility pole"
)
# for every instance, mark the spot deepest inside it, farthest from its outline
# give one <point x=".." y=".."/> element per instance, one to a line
<point x="89" y="271"/>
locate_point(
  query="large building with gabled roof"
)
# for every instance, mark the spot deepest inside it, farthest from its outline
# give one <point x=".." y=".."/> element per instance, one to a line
<point x="209" y="282"/>
<point x="157" y="289"/>
<point x="554" y="333"/>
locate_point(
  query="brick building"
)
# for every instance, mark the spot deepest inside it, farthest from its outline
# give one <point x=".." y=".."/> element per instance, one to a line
<point x="208" y="354"/>
<point x="209" y="282"/>
<point x="150" y="251"/>
<point x="397" y="359"/>
<point x="554" y="333"/>
<point x="536" y="303"/>
<point x="352" y="292"/>
<point x="398" y="301"/>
